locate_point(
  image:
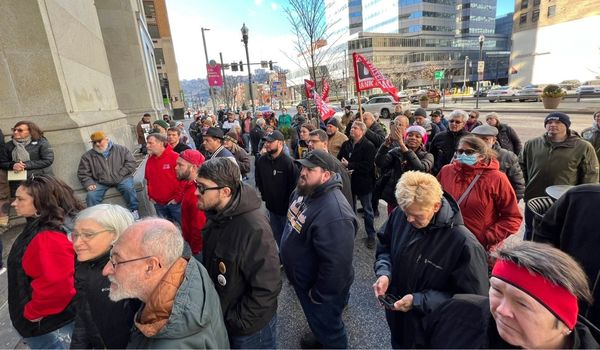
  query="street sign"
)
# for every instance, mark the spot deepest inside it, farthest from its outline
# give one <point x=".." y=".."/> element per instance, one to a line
<point x="480" y="66"/>
<point x="439" y="75"/>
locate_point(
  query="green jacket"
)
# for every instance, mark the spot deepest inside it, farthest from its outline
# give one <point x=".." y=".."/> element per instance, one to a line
<point x="592" y="135"/>
<point x="572" y="162"/>
<point x="196" y="321"/>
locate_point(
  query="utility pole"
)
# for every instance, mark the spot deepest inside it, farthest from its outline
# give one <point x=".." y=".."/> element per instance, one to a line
<point x="465" y="75"/>
<point x="224" y="81"/>
<point x="206" y="56"/>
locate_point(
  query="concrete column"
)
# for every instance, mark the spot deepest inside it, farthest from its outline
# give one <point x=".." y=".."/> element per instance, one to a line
<point x="54" y="71"/>
<point x="131" y="58"/>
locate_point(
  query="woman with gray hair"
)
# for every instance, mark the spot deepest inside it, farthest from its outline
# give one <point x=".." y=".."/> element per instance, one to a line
<point x="99" y="322"/>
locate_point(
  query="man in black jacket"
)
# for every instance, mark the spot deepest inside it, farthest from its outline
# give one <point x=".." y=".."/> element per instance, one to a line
<point x="256" y="134"/>
<point x="443" y="146"/>
<point x="425" y="255"/>
<point x="240" y="255"/>
<point x="358" y="156"/>
<point x="376" y="134"/>
<point x="275" y="175"/>
<point x="317" y="247"/>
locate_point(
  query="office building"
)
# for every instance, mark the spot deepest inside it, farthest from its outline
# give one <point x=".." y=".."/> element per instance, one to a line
<point x="555" y="40"/>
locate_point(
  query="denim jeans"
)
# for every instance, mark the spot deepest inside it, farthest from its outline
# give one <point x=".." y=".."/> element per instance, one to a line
<point x="247" y="146"/>
<point x="171" y="212"/>
<point x="266" y="338"/>
<point x="277" y="225"/>
<point x="126" y="189"/>
<point x="365" y="201"/>
<point x="58" y="339"/>
<point x="325" y="320"/>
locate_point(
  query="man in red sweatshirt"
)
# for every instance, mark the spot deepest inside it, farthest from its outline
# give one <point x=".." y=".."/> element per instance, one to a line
<point x="192" y="218"/>
<point x="164" y="190"/>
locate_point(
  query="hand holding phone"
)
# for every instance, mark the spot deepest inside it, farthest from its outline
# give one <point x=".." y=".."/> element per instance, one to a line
<point x="388" y="301"/>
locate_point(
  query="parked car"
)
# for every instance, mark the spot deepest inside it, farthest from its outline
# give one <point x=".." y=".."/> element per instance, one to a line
<point x="433" y="95"/>
<point x="569" y="85"/>
<point x="588" y="89"/>
<point x="530" y="93"/>
<point x="482" y="91"/>
<point x="501" y="92"/>
<point x="383" y="106"/>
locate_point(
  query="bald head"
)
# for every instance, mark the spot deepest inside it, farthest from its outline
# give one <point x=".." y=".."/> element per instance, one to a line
<point x="402" y="120"/>
<point x="369" y="119"/>
<point x="155" y="237"/>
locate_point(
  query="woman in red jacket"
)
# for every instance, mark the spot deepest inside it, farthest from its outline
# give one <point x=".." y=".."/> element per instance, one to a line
<point x="41" y="264"/>
<point x="487" y="200"/>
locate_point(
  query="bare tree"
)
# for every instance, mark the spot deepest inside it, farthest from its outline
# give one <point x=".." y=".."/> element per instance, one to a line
<point x="313" y="41"/>
<point x="428" y="73"/>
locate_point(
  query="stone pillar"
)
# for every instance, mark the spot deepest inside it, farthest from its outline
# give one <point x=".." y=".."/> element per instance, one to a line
<point x="54" y="71"/>
<point x="131" y="58"/>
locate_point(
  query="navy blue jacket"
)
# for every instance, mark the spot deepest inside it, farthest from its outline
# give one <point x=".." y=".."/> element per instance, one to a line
<point x="318" y="242"/>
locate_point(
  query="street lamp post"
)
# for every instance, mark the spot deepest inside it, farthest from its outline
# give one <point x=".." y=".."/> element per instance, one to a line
<point x="481" y="40"/>
<point x="210" y="92"/>
<point x="245" y="41"/>
<point x="465" y="75"/>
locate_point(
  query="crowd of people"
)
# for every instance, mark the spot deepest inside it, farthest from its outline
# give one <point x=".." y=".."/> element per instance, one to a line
<point x="206" y="271"/>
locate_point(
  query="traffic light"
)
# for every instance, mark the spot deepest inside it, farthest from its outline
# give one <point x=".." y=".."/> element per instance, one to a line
<point x="241" y="66"/>
<point x="270" y="65"/>
<point x="234" y="67"/>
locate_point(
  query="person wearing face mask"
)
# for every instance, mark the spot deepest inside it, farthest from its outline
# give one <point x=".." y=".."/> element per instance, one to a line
<point x="484" y="194"/>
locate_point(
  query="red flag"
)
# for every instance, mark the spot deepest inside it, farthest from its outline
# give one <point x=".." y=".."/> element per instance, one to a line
<point x="214" y="75"/>
<point x="325" y="111"/>
<point x="325" y="90"/>
<point x="309" y="85"/>
<point x="367" y="76"/>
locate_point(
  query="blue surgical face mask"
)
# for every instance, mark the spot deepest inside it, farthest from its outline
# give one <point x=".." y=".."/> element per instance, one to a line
<point x="466" y="159"/>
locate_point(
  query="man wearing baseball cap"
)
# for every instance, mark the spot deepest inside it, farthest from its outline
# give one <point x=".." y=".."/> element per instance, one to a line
<point x="192" y="218"/>
<point x="559" y="157"/>
<point x="532" y="304"/>
<point x="316" y="250"/>
<point x="108" y="165"/>
<point x="508" y="161"/>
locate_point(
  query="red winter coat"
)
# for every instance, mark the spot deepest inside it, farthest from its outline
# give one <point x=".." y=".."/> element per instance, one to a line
<point x="192" y="219"/>
<point x="163" y="185"/>
<point x="490" y="210"/>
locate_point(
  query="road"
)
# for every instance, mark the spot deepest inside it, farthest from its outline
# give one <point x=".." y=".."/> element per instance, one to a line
<point x="364" y="319"/>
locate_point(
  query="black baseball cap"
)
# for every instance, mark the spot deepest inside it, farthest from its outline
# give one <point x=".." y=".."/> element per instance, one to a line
<point x="215" y="132"/>
<point x="276" y="135"/>
<point x="318" y="158"/>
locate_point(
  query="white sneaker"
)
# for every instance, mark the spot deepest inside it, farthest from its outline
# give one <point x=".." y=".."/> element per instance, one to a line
<point x="136" y="215"/>
<point x="2" y="270"/>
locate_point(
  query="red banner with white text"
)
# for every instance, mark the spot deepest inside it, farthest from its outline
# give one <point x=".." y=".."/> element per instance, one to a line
<point x="309" y="85"/>
<point x="367" y="76"/>
<point x="324" y="109"/>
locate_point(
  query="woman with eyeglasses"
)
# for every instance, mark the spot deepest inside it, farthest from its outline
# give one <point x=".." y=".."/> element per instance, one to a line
<point x="41" y="264"/>
<point x="29" y="152"/>
<point x="486" y="199"/>
<point x="99" y="322"/>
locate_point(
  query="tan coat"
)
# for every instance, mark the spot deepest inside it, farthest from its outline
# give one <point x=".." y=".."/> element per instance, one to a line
<point x="335" y="143"/>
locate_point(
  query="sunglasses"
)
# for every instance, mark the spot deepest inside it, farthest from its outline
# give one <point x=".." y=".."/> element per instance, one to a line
<point x="454" y="121"/>
<point x="468" y="152"/>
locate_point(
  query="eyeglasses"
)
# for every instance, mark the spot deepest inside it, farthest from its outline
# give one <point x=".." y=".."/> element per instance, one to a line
<point x="454" y="121"/>
<point x="84" y="236"/>
<point x="468" y="152"/>
<point x="18" y="130"/>
<point x="115" y="264"/>
<point x="203" y="189"/>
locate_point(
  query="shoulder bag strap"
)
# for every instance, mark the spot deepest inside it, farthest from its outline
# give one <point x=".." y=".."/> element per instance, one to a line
<point x="468" y="190"/>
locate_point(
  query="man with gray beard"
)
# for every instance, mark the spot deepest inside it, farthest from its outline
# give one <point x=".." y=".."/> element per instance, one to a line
<point x="316" y="250"/>
<point x="180" y="307"/>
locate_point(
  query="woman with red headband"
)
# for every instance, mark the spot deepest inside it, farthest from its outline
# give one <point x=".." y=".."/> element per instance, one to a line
<point x="532" y="303"/>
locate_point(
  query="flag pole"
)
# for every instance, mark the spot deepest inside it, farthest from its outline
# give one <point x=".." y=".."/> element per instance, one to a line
<point x="359" y="106"/>
<point x="356" y="85"/>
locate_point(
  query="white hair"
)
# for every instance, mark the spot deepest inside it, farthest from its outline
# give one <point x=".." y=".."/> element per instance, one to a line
<point x="162" y="239"/>
<point x="111" y="217"/>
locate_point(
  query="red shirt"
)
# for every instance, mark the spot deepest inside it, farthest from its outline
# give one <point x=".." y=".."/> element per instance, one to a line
<point x="163" y="185"/>
<point x="192" y="219"/>
<point x="50" y="263"/>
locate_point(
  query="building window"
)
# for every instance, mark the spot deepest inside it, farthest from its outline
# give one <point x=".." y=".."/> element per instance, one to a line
<point x="149" y="9"/>
<point x="524" y="4"/>
<point x="536" y="2"/>
<point x="159" y="56"/>
<point x="551" y="11"/>
<point x="523" y="19"/>
<point x="153" y="31"/>
<point x="535" y="15"/>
